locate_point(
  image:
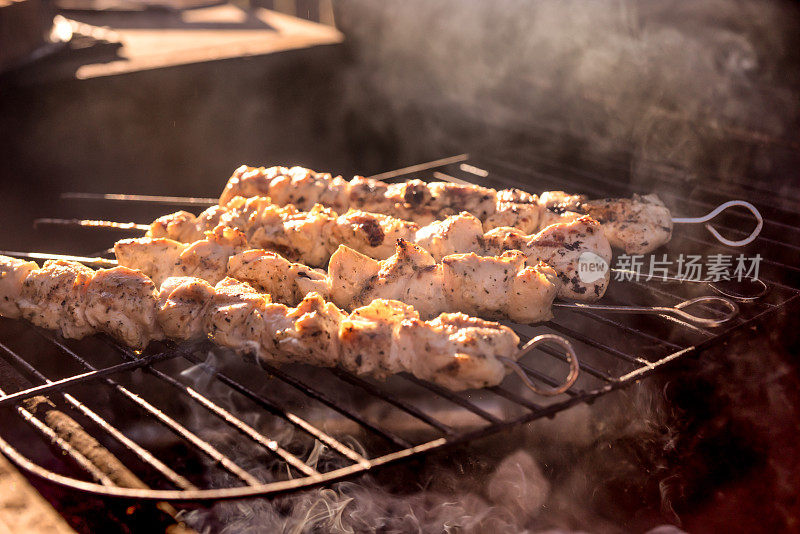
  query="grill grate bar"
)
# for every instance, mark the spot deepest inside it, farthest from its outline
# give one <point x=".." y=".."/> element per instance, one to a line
<point x="452" y="397"/>
<point x="143" y="454"/>
<point x="323" y="398"/>
<point x="57" y="385"/>
<point x="391" y="399"/>
<point x="514" y="397"/>
<point x="291" y="417"/>
<point x="547" y="379"/>
<point x="596" y="344"/>
<point x="225" y="415"/>
<point x="520" y="329"/>
<point x="180" y="430"/>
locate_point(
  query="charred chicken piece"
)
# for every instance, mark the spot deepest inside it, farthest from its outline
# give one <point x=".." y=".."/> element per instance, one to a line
<point x="637" y="225"/>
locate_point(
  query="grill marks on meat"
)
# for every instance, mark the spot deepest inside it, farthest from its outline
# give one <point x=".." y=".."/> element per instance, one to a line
<point x="453" y="350"/>
<point x="370" y="227"/>
<point x="561" y="246"/>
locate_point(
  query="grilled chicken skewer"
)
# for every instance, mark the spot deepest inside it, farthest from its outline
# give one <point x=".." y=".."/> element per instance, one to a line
<point x="500" y="287"/>
<point x="413" y="200"/>
<point x="312" y="237"/>
<point x="385" y="337"/>
<point x="637" y="225"/>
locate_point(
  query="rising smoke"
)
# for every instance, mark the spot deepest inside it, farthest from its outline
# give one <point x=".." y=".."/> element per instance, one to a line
<point x="705" y="86"/>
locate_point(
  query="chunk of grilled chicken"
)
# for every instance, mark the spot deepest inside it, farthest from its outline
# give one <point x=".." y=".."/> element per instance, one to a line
<point x="493" y="287"/>
<point x="453" y="350"/>
<point x="54" y="296"/>
<point x="286" y="281"/>
<point x="182" y="307"/>
<point x="122" y="303"/>
<point x="637" y="225"/>
<point x="414" y="200"/>
<point x="77" y="301"/>
<point x="307" y="236"/>
<point x="567" y="248"/>
<point x="161" y="258"/>
<point x="268" y="271"/>
<point x="13" y="273"/>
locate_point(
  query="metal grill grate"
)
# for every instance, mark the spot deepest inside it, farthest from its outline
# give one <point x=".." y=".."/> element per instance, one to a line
<point x="181" y="421"/>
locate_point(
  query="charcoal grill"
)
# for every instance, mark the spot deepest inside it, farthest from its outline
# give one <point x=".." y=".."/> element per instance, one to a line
<point x="115" y="392"/>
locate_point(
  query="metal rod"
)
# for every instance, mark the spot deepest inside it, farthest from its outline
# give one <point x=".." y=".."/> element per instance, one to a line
<point x="391" y="399"/>
<point x="676" y="310"/>
<point x="289" y="416"/>
<point x="452" y="397"/>
<point x="762" y="286"/>
<point x="225" y="415"/>
<point x="90" y="223"/>
<point x="157" y="199"/>
<point x="420" y="167"/>
<point x="66" y="447"/>
<point x="57" y="385"/>
<point x="327" y="401"/>
<point x="66" y="257"/>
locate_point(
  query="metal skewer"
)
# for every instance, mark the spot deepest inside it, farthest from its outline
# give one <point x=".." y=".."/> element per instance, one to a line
<point x="105" y="262"/>
<point x="204" y="201"/>
<point x="762" y="287"/>
<point x="761" y="290"/>
<point x="675" y="311"/>
<point x="152" y="199"/>
<point x="91" y="223"/>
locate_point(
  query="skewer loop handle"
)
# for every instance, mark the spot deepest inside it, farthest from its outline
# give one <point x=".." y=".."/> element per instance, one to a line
<point x="574" y="368"/>
<point x="719" y="209"/>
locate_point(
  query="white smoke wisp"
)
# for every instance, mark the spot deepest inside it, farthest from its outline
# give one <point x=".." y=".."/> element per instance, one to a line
<point x="677" y="83"/>
<point x="544" y="475"/>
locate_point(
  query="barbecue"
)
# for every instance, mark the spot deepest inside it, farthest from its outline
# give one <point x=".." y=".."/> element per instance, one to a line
<point x="566" y="313"/>
<point x="595" y="378"/>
